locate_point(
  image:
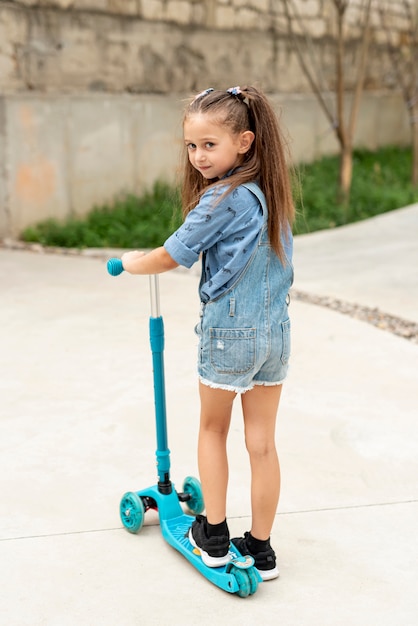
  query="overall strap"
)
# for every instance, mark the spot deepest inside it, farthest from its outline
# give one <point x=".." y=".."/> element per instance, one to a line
<point x="255" y="189"/>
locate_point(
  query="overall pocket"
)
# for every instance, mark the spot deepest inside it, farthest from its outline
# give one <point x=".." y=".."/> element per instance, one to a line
<point x="232" y="350"/>
<point x="285" y="341"/>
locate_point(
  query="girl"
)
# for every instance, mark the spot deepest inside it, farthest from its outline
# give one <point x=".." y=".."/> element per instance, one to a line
<point x="238" y="212"/>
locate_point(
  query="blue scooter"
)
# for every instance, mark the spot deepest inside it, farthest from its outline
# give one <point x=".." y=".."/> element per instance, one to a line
<point x="239" y="576"/>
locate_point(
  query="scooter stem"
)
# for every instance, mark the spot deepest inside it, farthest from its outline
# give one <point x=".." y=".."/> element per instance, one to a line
<point x="154" y="289"/>
<point x="156" y="333"/>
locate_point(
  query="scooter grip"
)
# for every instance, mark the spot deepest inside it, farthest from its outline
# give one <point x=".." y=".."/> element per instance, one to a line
<point x="114" y="267"/>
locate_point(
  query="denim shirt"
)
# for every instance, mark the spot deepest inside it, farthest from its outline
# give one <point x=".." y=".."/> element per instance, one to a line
<point x="225" y="231"/>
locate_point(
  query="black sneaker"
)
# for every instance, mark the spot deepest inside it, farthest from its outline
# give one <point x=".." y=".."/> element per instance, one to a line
<point x="213" y="550"/>
<point x="265" y="562"/>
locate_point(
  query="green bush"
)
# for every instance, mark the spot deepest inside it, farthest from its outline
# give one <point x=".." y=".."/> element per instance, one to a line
<point x="381" y="182"/>
<point x="131" y="222"/>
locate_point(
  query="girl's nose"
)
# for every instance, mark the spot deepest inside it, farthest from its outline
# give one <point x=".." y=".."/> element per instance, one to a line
<point x="200" y="156"/>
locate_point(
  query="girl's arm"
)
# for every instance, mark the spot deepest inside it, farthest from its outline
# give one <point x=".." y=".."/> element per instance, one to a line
<point x="154" y="262"/>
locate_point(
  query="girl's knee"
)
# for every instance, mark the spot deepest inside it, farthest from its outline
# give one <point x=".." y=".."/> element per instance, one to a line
<point x="214" y="429"/>
<point x="260" y="449"/>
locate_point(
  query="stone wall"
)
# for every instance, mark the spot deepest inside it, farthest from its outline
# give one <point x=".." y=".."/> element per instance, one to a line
<point x="169" y="46"/>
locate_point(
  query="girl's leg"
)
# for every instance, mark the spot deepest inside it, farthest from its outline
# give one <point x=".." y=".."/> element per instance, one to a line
<point x="260" y="407"/>
<point x="215" y="418"/>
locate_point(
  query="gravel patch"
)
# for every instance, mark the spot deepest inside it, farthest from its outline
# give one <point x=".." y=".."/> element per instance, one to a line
<point x="380" y="319"/>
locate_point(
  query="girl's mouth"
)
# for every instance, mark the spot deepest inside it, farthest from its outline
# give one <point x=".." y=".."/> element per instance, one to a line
<point x="204" y="169"/>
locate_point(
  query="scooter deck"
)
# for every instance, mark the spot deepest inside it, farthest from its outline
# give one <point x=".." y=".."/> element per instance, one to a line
<point x="176" y="532"/>
<point x="238" y="576"/>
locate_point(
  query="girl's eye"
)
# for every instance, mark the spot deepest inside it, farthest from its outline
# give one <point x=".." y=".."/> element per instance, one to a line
<point x="209" y="144"/>
<point x="191" y="146"/>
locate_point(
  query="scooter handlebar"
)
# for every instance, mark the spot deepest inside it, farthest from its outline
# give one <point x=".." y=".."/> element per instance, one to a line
<point x="114" y="267"/>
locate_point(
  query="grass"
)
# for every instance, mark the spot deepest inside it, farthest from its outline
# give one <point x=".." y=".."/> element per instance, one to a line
<point x="130" y="222"/>
<point x="381" y="182"/>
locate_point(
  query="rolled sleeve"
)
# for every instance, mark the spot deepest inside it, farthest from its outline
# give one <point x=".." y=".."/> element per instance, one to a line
<point x="180" y="252"/>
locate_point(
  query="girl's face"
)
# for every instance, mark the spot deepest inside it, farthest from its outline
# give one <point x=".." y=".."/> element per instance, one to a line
<point x="213" y="150"/>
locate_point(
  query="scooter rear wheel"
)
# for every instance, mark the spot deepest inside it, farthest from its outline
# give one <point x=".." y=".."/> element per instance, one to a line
<point x="253" y="580"/>
<point x="193" y="487"/>
<point x="132" y="512"/>
<point x="246" y="579"/>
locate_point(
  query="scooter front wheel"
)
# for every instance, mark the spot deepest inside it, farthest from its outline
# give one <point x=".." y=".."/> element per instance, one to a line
<point x="132" y="512"/>
<point x="246" y="579"/>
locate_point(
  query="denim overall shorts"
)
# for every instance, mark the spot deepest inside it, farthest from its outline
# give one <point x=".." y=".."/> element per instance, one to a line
<point x="244" y="334"/>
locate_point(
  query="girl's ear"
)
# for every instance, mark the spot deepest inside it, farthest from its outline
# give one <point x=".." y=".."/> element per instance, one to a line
<point x="246" y="139"/>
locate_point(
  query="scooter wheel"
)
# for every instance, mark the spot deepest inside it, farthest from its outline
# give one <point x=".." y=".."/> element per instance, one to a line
<point x="193" y="487"/>
<point x="132" y="512"/>
<point x="246" y="579"/>
<point x="253" y="580"/>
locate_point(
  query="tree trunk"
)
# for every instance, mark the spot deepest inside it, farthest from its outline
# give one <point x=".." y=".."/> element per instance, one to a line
<point x="346" y="175"/>
<point x="414" y="135"/>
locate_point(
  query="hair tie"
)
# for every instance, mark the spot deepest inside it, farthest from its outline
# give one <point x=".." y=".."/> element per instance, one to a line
<point x="236" y="91"/>
<point x="202" y="94"/>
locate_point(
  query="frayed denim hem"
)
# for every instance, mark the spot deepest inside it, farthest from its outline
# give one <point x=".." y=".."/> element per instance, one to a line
<point x="212" y="385"/>
<point x="265" y="383"/>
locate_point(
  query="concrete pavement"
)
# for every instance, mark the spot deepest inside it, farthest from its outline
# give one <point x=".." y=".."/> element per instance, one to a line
<point x="77" y="431"/>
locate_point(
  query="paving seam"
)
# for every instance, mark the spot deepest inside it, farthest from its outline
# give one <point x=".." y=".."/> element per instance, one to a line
<point x="237" y="517"/>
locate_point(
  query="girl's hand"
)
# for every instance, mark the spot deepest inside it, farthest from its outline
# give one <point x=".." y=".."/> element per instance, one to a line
<point x="131" y="261"/>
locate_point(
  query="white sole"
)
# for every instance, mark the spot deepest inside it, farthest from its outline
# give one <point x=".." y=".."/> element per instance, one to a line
<point x="210" y="561"/>
<point x="269" y="574"/>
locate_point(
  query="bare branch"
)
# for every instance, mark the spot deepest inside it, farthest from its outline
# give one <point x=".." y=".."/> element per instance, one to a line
<point x="406" y="70"/>
<point x="306" y="70"/>
<point x="341" y="134"/>
<point x="310" y="48"/>
<point x="361" y="71"/>
<point x="341" y="6"/>
<point x="344" y="132"/>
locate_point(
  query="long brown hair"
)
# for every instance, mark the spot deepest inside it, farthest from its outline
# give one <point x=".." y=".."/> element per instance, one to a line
<point x="241" y="109"/>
